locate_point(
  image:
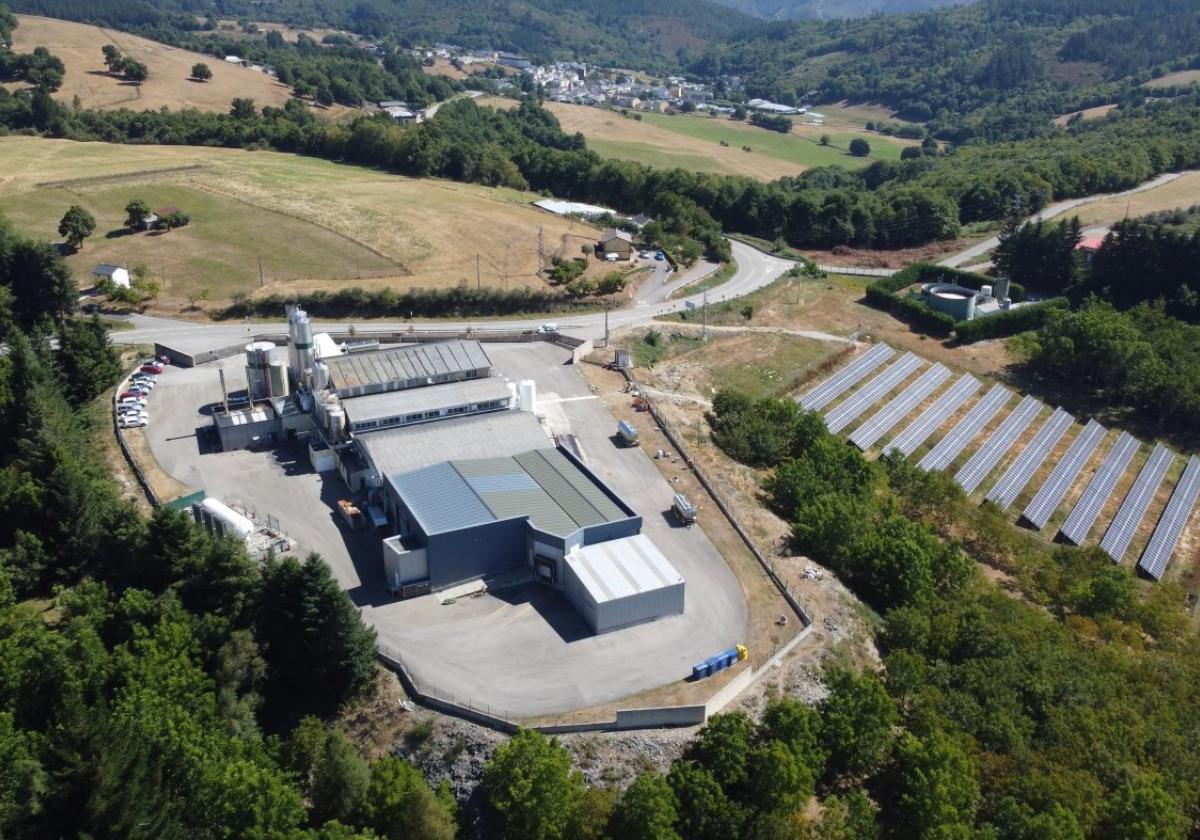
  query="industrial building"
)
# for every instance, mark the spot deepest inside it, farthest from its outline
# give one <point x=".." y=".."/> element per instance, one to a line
<point x="456" y="471"/>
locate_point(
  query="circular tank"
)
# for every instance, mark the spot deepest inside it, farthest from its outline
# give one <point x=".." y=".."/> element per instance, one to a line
<point x="956" y="301"/>
<point x="232" y="521"/>
<point x="337" y="420"/>
<point x="259" y="355"/>
<point x="528" y="391"/>
<point x="279" y="378"/>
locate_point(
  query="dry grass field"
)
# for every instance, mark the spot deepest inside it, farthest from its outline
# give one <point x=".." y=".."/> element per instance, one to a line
<point x="312" y="224"/>
<point x="169" y="85"/>
<point x="1184" y="191"/>
<point x="1183" y="77"/>
<point x="1088" y="114"/>
<point x="695" y="142"/>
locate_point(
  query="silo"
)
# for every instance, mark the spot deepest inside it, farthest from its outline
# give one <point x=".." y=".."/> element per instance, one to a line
<point x="279" y="378"/>
<point x="528" y="389"/>
<point x="320" y="376"/>
<point x="300" y="338"/>
<point x="259" y="355"/>
<point x="337" y="421"/>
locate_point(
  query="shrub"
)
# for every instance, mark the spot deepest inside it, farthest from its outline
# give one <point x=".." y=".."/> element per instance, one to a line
<point x="1023" y="318"/>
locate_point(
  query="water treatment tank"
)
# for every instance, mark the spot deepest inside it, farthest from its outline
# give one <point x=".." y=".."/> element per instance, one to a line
<point x="279" y="378"/>
<point x="337" y="420"/>
<point x="320" y="377"/>
<point x="259" y="355"/>
<point x="528" y="391"/>
<point x="233" y="523"/>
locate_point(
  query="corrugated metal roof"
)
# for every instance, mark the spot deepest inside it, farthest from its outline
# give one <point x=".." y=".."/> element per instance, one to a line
<point x="417" y="364"/>
<point x="241" y="417"/>
<point x="578" y="496"/>
<point x="441" y="499"/>
<point x="401" y="450"/>
<point x="420" y="400"/>
<point x="620" y="568"/>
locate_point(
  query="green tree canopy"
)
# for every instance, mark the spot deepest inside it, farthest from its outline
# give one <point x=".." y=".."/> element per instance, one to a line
<point x="77" y="225"/>
<point x="531" y="789"/>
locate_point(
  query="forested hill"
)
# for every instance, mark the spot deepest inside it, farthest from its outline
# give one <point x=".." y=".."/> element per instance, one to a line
<point x="833" y="9"/>
<point x="631" y="33"/>
<point x="1030" y="56"/>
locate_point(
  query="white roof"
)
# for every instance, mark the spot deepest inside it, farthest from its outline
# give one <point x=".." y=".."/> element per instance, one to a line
<point x="620" y="568"/>
<point x="325" y="347"/>
<point x="233" y="59"/>
<point x="104" y="270"/>
<point x="563" y="208"/>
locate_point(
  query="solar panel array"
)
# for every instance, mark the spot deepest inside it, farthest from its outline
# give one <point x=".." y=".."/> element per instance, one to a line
<point x="1170" y="525"/>
<point x="866" y="435"/>
<point x="854" y="405"/>
<point x="1083" y="516"/>
<point x="934" y="416"/>
<point x="846" y="378"/>
<point x="1021" y="470"/>
<point x="1050" y="496"/>
<point x="948" y="448"/>
<point x="987" y="456"/>
<point x="1125" y="523"/>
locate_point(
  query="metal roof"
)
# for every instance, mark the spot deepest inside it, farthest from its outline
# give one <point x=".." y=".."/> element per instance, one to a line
<point x="542" y="484"/>
<point x="623" y="567"/>
<point x="407" y="448"/>
<point x="419" y="400"/>
<point x="241" y="417"/>
<point x="416" y="365"/>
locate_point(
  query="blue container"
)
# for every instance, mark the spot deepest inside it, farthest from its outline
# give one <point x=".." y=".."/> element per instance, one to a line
<point x="701" y="671"/>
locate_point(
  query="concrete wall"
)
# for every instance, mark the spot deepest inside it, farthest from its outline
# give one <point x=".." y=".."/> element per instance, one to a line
<point x="663" y="716"/>
<point x="401" y="566"/>
<point x="243" y="436"/>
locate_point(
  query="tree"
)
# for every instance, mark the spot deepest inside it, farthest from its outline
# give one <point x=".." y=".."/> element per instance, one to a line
<point x="705" y="812"/>
<point x="136" y="213"/>
<point x="113" y="59"/>
<point x="849" y="817"/>
<point x="201" y="71"/>
<point x="645" y="811"/>
<point x="401" y="806"/>
<point x="910" y="153"/>
<point x="688" y="107"/>
<point x="531" y="789"/>
<point x="860" y="147"/>
<point x="776" y="779"/>
<point x="135" y="71"/>
<point x="938" y="785"/>
<point x="40" y="283"/>
<point x="77" y="225"/>
<point x="87" y="362"/>
<point x="857" y="719"/>
<point x="177" y="219"/>
<point x="243" y="109"/>
<point x="799" y="727"/>
<point x="1142" y="809"/>
<point x="340" y="778"/>
<point x="721" y="747"/>
<point x="825" y="140"/>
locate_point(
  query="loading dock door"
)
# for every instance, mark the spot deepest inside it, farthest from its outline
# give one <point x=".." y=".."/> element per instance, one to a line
<point x="544" y="569"/>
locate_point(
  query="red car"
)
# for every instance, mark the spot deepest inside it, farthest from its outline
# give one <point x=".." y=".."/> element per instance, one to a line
<point x="156" y="369"/>
<point x="134" y="394"/>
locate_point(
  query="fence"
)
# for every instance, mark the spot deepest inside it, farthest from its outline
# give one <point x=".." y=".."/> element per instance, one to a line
<point x="142" y="481"/>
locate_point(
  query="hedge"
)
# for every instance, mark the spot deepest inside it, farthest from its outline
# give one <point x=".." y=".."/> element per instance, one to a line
<point x="1010" y="322"/>
<point x="460" y="301"/>
<point x="883" y="293"/>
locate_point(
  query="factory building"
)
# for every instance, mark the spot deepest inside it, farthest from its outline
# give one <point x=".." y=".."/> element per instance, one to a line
<point x="355" y="375"/>
<point x="542" y="509"/>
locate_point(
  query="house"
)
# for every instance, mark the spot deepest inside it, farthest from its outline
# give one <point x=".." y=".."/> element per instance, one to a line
<point x="619" y="242"/>
<point x="150" y="222"/>
<point x="627" y="101"/>
<point x="164" y="212"/>
<point x="236" y="59"/>
<point x="1089" y="247"/>
<point x="402" y="115"/>
<point x="641" y="220"/>
<point x="118" y="276"/>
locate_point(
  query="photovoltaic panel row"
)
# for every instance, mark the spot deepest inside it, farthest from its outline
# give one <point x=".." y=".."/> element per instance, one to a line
<point x="1021" y="470"/>
<point x="866" y="435"/>
<point x="987" y="456"/>
<point x="1170" y="525"/>
<point x="1125" y="524"/>
<point x="1083" y="516"/>
<point x="948" y="448"/>
<point x="845" y="379"/>
<point x="1051" y="494"/>
<point x="934" y="416"/>
<point x="854" y="405"/>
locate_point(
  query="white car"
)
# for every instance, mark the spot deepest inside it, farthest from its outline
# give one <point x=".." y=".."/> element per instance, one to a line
<point x="132" y="402"/>
<point x="148" y="384"/>
<point x="133" y="421"/>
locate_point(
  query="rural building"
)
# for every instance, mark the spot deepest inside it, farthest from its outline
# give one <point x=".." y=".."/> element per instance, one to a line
<point x="119" y="276"/>
<point x="462" y="520"/>
<point x="1089" y="246"/>
<point x="357" y="374"/>
<point x="619" y="242"/>
<point x="627" y="101"/>
<point x="421" y="405"/>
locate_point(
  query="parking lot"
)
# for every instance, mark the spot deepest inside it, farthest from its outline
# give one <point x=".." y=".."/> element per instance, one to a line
<point x="522" y="651"/>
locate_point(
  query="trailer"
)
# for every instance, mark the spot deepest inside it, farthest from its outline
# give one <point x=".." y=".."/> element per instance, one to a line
<point x="684" y="510"/>
<point x="725" y="659"/>
<point x="626" y="433"/>
<point x="351" y="514"/>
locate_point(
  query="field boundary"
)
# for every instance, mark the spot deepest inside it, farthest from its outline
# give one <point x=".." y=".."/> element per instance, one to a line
<point x="68" y="183"/>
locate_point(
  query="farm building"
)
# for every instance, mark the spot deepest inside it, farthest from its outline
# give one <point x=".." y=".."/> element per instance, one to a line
<point x="619" y="242"/>
<point x="118" y="275"/>
<point x="462" y="520"/>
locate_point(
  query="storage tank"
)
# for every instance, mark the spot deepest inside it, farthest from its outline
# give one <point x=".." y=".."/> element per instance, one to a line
<point x="279" y="378"/>
<point x="227" y="519"/>
<point x="337" y="420"/>
<point x="528" y="391"/>
<point x="300" y="338"/>
<point x="259" y="355"/>
<point x="320" y="376"/>
<point x="985" y="290"/>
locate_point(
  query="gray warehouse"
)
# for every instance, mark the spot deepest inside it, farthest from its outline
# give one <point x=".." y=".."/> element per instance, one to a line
<point x="460" y="521"/>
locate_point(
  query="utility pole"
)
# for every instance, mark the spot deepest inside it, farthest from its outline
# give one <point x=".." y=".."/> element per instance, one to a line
<point x="261" y="280"/>
<point x="478" y="281"/>
<point x="541" y="251"/>
<point x="704" y="329"/>
<point x="606" y="323"/>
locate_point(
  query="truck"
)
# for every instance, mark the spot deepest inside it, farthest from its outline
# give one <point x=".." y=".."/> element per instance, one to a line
<point x="626" y="433"/>
<point x="684" y="510"/>
<point x="725" y="659"/>
<point x="351" y="514"/>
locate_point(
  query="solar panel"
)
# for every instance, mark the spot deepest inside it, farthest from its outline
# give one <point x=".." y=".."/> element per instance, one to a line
<point x="1050" y="496"/>
<point x="1021" y="470"/>
<point x="854" y="405"/>
<point x="1170" y="525"/>
<point x="934" y="416"/>
<point x="948" y="448"/>
<point x="898" y="407"/>
<point x="1083" y="516"/>
<point x="1120" y="532"/>
<point x="845" y="379"/>
<point x="987" y="456"/>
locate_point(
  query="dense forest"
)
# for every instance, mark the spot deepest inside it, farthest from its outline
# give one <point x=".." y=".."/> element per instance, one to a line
<point x="831" y="9"/>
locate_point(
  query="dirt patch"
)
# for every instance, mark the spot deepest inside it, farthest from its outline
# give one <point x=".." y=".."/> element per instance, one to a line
<point x="844" y="255"/>
<point x="1087" y="114"/>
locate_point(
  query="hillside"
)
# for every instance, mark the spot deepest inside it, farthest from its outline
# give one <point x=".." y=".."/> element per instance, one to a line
<point x="613" y="32"/>
<point x="832" y="9"/>
<point x="306" y="224"/>
<point x="78" y="45"/>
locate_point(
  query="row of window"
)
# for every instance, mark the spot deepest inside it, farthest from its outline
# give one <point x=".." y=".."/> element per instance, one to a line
<point x="420" y="417"/>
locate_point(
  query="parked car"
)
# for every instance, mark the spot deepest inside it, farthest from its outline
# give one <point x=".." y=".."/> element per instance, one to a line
<point x="155" y="369"/>
<point x="144" y="384"/>
<point x="548" y="328"/>
<point x="644" y="255"/>
<point x="148" y="378"/>
<point x="166" y="360"/>
<point x="133" y="421"/>
<point x="135" y="393"/>
<point x="138" y="402"/>
<point x="660" y="256"/>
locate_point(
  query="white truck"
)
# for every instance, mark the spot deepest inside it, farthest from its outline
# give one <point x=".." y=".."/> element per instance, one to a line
<point x="684" y="509"/>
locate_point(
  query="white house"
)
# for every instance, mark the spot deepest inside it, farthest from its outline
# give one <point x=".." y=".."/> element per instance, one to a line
<point x="118" y="275"/>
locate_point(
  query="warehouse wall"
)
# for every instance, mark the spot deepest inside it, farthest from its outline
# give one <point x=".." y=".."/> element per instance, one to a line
<point x="472" y="553"/>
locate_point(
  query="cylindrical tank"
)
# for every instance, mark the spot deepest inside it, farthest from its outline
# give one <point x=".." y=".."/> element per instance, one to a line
<point x="233" y="522"/>
<point x="301" y="337"/>
<point x="986" y="290"/>
<point x="279" y="378"/>
<point x="337" y="420"/>
<point x="259" y="355"/>
<point x="513" y="399"/>
<point x="528" y="390"/>
<point x="320" y="376"/>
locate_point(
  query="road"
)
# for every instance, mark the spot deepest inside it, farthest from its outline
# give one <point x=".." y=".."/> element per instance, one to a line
<point x="754" y="270"/>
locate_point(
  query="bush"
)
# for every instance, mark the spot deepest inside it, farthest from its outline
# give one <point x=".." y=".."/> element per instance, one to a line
<point x="1028" y="317"/>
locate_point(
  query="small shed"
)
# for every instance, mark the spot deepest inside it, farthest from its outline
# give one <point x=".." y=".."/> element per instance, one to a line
<point x="1089" y="247"/>
<point x="619" y="242"/>
<point x="118" y="275"/>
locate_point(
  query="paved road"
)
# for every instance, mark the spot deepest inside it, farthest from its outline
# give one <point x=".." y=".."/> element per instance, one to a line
<point x="755" y="270"/>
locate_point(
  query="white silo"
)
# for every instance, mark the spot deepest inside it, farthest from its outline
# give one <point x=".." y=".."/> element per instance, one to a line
<point x="337" y="421"/>
<point x="259" y="355"/>
<point x="528" y="389"/>
<point x="279" y="378"/>
<point x="320" y="376"/>
<point x="300" y="343"/>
